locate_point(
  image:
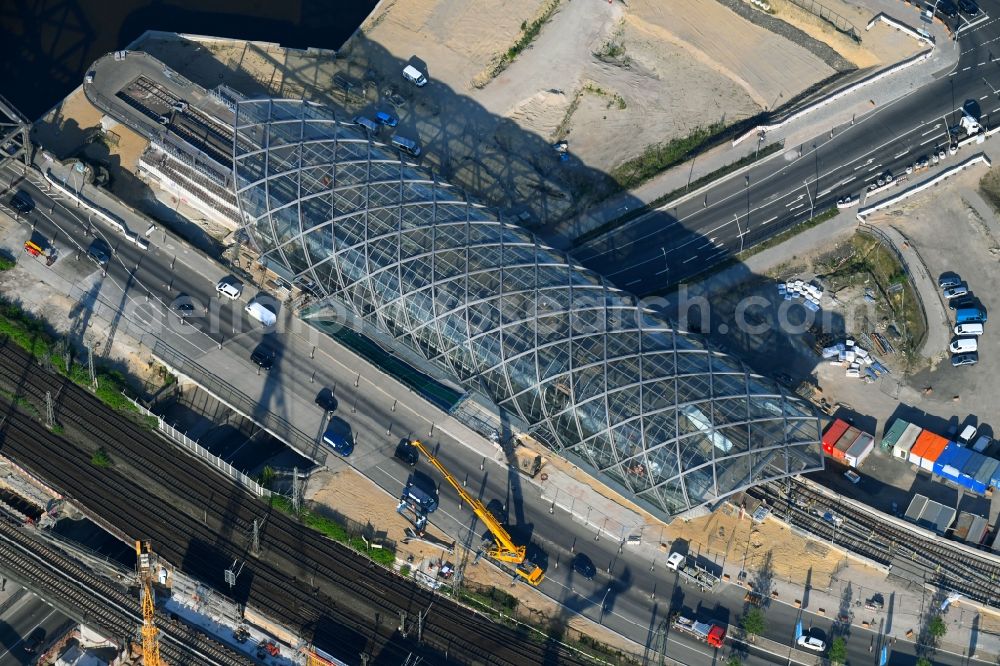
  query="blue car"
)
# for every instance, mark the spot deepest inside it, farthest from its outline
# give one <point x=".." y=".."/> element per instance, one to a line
<point x="386" y="119"/>
<point x="340" y="444"/>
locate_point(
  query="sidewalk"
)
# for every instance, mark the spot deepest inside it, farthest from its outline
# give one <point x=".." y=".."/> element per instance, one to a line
<point x="845" y="111"/>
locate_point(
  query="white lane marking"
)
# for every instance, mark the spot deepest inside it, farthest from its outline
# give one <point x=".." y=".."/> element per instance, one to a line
<point x="771" y="220"/>
<point x="691" y="258"/>
<point x="967" y="69"/>
<point x="877" y="166"/>
<point x="845" y="182"/>
<point x="902" y="154"/>
<point x="707" y="244"/>
<point x="924" y="143"/>
<point x="663" y="271"/>
<point x="983" y="97"/>
<point x="633" y="282"/>
<point x="796" y="207"/>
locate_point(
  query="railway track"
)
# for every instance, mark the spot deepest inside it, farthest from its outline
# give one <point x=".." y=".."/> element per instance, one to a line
<point x="340" y="599"/>
<point x="98" y="603"/>
<point x="910" y="554"/>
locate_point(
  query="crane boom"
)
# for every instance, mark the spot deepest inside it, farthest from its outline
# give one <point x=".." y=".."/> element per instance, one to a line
<point x="504" y="549"/>
<point x="144" y="566"/>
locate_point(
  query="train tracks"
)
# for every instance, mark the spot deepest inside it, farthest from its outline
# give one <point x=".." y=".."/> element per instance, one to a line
<point x="97" y="603"/>
<point x="201" y="521"/>
<point x="909" y="554"/>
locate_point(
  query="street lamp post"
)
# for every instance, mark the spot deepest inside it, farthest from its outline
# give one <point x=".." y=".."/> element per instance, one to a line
<point x="811" y="209"/>
<point x="604" y="603"/>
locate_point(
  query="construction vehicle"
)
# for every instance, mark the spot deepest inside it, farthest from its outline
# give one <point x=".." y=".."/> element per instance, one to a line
<point x="706" y="632"/>
<point x="529" y="461"/>
<point x="692" y="573"/>
<point x="144" y="569"/>
<point x="503" y="548"/>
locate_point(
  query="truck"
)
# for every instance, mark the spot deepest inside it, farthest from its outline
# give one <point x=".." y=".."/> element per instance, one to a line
<point x="691" y="572"/>
<point x="706" y="632"/>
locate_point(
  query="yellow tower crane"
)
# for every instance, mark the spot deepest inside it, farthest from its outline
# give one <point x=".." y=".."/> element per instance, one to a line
<point x="144" y="567"/>
<point x="504" y="549"/>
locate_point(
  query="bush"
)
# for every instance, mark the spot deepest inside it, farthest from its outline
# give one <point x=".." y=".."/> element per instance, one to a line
<point x="838" y="651"/>
<point x="753" y="622"/>
<point x="936" y="628"/>
<point x="6" y="263"/>
<point x="100" y="458"/>
<point x="661" y="156"/>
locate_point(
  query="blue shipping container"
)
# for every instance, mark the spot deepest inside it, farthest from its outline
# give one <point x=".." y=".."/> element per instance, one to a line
<point x="973" y="464"/>
<point x="951" y="461"/>
<point x="969" y="472"/>
<point x="995" y="478"/>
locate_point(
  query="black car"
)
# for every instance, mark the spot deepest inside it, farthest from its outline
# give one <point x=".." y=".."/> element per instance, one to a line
<point x="969" y="7"/>
<point x="326" y="400"/>
<point x="100" y="252"/>
<point x="584" y="566"/>
<point x="947" y="8"/>
<point x="184" y="309"/>
<point x="406" y="452"/>
<point x="34" y="641"/>
<point x="967" y="301"/>
<point x="22" y="203"/>
<point x="263" y="356"/>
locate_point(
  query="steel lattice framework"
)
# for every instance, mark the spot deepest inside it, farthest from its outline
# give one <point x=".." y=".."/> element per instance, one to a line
<point x="651" y="410"/>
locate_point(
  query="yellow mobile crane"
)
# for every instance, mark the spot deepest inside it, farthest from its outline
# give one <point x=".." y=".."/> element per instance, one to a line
<point x="503" y="549"/>
<point x="144" y="567"/>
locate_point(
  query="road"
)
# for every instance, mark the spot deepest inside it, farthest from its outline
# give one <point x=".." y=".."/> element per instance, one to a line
<point x="27" y="617"/>
<point x="669" y="245"/>
<point x="629" y="594"/>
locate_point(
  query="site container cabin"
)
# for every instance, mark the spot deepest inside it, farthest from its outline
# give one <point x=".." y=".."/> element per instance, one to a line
<point x="970" y="473"/>
<point x="987" y="471"/>
<point x="927" y="449"/>
<point x="833" y="433"/>
<point x="893" y="434"/>
<point x="859" y="450"/>
<point x="901" y="449"/>
<point x="951" y="461"/>
<point x="844" y="443"/>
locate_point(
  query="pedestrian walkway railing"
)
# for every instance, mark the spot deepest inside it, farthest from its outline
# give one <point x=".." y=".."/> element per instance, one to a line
<point x="840" y="23"/>
<point x="238" y="400"/>
<point x="201" y="452"/>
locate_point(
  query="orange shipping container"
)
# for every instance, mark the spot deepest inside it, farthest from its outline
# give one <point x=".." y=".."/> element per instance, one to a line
<point x="933" y="451"/>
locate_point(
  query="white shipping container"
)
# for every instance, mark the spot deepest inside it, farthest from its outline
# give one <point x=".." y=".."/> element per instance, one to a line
<point x="901" y="450"/>
<point x="860" y="449"/>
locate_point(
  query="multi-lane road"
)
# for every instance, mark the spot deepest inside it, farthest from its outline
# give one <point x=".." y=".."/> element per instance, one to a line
<point x="671" y="244"/>
<point x="630" y="594"/>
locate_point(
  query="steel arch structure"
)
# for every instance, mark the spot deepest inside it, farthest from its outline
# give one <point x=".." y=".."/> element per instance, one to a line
<point x="649" y="409"/>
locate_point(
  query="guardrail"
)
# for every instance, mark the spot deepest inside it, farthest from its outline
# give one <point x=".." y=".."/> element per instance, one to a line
<point x="203" y="453"/>
<point x="229" y="395"/>
<point x="839" y="23"/>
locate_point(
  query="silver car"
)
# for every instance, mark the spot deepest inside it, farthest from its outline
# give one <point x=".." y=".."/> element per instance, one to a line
<point x="955" y="292"/>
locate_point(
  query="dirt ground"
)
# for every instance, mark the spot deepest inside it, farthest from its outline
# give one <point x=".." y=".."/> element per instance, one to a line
<point x="66" y="128"/>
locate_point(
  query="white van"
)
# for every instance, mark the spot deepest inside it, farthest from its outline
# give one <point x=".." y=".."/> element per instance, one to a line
<point x="406" y="144"/>
<point x="969" y="329"/>
<point x="414" y="76"/>
<point x="261" y="313"/>
<point x="228" y="287"/>
<point x="963" y="345"/>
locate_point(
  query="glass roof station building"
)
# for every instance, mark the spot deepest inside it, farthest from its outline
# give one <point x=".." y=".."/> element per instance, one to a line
<point x="650" y="411"/>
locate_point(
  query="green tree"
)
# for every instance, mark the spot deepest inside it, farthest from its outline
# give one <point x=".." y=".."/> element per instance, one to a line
<point x="753" y="623"/>
<point x="734" y="661"/>
<point x="100" y="458"/>
<point x="936" y="628"/>
<point x="924" y="661"/>
<point x="838" y="651"/>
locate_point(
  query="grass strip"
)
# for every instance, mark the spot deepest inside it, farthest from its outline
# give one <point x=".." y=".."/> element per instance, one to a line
<point x="611" y="225"/>
<point x="334" y="530"/>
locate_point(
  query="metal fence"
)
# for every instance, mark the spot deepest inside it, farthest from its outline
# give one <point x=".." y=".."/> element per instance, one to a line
<point x="840" y="23"/>
<point x="886" y="242"/>
<point x="206" y="455"/>
<point x="239" y="401"/>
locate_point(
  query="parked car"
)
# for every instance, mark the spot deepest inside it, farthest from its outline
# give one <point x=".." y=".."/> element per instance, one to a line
<point x="964" y="345"/>
<point x="852" y="476"/>
<point x="336" y="441"/>
<point x="963" y="302"/>
<point x="947" y="8"/>
<point x="955" y="292"/>
<point x="406" y="452"/>
<point x="969" y="329"/>
<point x="326" y="400"/>
<point x="263" y="355"/>
<point x="808" y="642"/>
<point x="229" y="287"/>
<point x="34" y="640"/>
<point x="969" y="7"/>
<point x="941" y="154"/>
<point x="584" y="566"/>
<point x="848" y="201"/>
<point x="414" y="76"/>
<point x="970" y="358"/>
<point x="949" y="281"/>
<point x="386" y="119"/>
<point x="184" y="309"/>
<point x="922" y="162"/>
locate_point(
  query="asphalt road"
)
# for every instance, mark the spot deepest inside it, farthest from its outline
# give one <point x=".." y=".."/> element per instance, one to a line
<point x="666" y="246"/>
<point x="27" y="617"/>
<point x="628" y="594"/>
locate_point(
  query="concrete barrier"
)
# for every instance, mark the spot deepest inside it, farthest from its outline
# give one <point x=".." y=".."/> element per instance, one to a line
<point x="920" y="57"/>
<point x="891" y="201"/>
<point x="110" y="218"/>
<point x="898" y="25"/>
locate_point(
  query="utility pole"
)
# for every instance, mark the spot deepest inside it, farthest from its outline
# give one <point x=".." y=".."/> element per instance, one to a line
<point x="255" y="539"/>
<point x="806" y="182"/>
<point x="296" y="490"/>
<point x="50" y="418"/>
